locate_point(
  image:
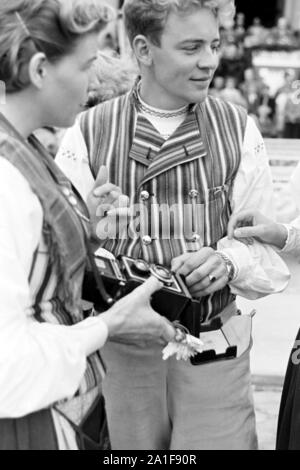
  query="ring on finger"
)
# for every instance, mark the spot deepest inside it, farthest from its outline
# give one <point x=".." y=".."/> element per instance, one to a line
<point x="212" y="279"/>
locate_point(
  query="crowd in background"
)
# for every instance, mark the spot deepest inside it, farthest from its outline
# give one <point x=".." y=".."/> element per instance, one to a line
<point x="236" y="80"/>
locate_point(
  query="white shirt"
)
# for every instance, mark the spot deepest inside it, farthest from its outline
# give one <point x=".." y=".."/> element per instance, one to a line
<point x="39" y="363"/>
<point x="260" y="270"/>
<point x="293" y="241"/>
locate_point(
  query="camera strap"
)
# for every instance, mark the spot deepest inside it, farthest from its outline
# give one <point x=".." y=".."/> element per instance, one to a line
<point x="97" y="277"/>
<point x="104" y="296"/>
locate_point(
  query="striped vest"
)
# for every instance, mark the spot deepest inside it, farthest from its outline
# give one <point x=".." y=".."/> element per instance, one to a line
<point x="181" y="186"/>
<point x="62" y="235"/>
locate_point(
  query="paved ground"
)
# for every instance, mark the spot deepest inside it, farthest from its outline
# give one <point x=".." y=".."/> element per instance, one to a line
<point x="267" y="400"/>
<point x="275" y="326"/>
<point x="274" y="330"/>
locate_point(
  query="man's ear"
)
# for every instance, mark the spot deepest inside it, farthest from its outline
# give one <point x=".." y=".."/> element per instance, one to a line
<point x="142" y="49"/>
<point x="37" y="69"/>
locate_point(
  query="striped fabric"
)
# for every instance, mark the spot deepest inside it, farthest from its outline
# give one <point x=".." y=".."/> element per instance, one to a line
<point x="189" y="177"/>
<point x="47" y="307"/>
<point x="48" y="299"/>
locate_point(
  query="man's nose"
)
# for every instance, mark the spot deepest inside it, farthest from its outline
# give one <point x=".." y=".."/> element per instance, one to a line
<point x="208" y="60"/>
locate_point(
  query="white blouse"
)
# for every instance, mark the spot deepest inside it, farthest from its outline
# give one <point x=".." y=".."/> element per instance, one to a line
<point x="40" y="363"/>
<point x="260" y="270"/>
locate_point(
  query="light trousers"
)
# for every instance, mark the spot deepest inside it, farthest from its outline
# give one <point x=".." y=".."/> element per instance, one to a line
<point x="157" y="405"/>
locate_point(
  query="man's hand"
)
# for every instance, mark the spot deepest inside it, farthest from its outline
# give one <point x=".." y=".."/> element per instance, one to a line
<point x="205" y="272"/>
<point x="108" y="207"/>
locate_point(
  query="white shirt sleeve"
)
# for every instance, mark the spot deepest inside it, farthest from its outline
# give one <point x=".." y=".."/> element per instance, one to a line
<point x="295" y="186"/>
<point x="260" y="269"/>
<point x="39" y="363"/>
<point x="72" y="158"/>
<point x="293" y="242"/>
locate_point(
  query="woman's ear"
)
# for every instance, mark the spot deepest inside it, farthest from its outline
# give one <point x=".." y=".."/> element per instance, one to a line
<point x="142" y="50"/>
<point x="37" y="69"/>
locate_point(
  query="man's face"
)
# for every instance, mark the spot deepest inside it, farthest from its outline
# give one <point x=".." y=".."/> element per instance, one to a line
<point x="184" y="63"/>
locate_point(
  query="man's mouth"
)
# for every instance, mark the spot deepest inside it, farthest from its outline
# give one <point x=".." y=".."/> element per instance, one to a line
<point x="202" y="79"/>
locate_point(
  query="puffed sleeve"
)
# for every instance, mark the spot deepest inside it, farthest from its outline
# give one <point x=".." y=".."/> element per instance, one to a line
<point x="259" y="269"/>
<point x="72" y="158"/>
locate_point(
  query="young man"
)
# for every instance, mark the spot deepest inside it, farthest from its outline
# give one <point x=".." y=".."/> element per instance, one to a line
<point x="187" y="160"/>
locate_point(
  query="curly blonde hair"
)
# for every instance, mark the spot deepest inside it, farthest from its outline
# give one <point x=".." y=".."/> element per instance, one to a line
<point x="148" y="17"/>
<point x="49" y="26"/>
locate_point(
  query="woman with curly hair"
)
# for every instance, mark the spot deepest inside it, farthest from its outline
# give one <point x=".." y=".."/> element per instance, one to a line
<point x="50" y="366"/>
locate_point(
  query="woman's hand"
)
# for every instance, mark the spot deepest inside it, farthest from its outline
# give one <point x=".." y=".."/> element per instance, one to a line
<point x="132" y="318"/>
<point x="108" y="207"/>
<point x="251" y="224"/>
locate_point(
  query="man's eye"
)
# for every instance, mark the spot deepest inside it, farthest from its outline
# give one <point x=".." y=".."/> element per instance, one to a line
<point x="216" y="48"/>
<point x="191" y="49"/>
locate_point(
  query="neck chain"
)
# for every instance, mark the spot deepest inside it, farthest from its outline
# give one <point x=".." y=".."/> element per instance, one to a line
<point x="160" y="114"/>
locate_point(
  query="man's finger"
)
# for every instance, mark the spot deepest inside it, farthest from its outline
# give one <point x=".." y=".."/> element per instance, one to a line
<point x="119" y="212"/>
<point x="103" y="210"/>
<point x="249" y="232"/>
<point x="202" y="274"/>
<point x="102" y="177"/>
<point x="179" y="261"/>
<point x="168" y="331"/>
<point x="214" y="287"/>
<point x="105" y="189"/>
<point x="195" y="261"/>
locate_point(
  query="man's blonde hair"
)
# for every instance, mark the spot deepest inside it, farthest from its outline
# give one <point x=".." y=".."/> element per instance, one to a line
<point x="148" y="17"/>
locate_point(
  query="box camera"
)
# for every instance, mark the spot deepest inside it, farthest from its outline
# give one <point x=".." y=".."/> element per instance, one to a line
<point x="123" y="274"/>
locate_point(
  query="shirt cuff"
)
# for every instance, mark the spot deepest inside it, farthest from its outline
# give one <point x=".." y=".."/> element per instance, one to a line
<point x="292" y="245"/>
<point x="290" y="238"/>
<point x="232" y="261"/>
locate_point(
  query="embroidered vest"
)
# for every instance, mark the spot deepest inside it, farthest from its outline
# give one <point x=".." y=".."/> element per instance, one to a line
<point x="182" y="186"/>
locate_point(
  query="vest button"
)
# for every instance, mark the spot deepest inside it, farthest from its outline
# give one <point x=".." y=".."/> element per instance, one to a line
<point x="145" y="195"/>
<point x="147" y="240"/>
<point x="66" y="192"/>
<point x="73" y="201"/>
<point x="194" y="194"/>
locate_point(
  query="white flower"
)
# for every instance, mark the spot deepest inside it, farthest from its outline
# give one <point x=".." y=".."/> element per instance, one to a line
<point x="184" y="346"/>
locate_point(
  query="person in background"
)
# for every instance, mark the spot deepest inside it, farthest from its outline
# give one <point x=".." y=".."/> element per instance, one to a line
<point x="281" y="99"/>
<point x="251" y="90"/>
<point x="232" y="93"/>
<point x="218" y="87"/>
<point x="266" y="111"/>
<point x="292" y="116"/>
<point x="50" y="366"/>
<point x="110" y="77"/>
